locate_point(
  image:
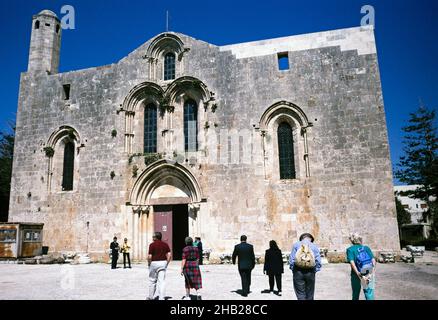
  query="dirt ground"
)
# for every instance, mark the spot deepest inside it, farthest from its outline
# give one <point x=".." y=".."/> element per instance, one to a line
<point x="399" y="281"/>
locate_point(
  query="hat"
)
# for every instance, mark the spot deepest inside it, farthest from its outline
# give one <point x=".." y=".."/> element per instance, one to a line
<point x="307" y="235"/>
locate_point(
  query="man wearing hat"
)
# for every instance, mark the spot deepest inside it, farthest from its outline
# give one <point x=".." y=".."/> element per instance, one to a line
<point x="305" y="262"/>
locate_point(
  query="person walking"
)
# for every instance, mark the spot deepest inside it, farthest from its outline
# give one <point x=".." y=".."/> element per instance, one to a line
<point x="125" y="250"/>
<point x="274" y="266"/>
<point x="190" y="269"/>
<point x="159" y="257"/>
<point x="115" y="248"/>
<point x="198" y="244"/>
<point x="246" y="262"/>
<point x="363" y="268"/>
<point x="305" y="262"/>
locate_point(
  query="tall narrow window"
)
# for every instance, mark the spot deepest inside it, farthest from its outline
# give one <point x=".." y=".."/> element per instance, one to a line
<point x="150" y="128"/>
<point x="190" y="125"/>
<point x="286" y="151"/>
<point x="68" y="167"/>
<point x="169" y="66"/>
<point x="66" y="91"/>
<point x="37" y="24"/>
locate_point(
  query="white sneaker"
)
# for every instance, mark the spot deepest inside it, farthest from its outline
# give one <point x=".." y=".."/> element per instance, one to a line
<point x="279" y="293"/>
<point x="186" y="298"/>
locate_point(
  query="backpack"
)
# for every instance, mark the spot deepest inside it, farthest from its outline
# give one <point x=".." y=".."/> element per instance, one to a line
<point x="304" y="258"/>
<point x="363" y="261"/>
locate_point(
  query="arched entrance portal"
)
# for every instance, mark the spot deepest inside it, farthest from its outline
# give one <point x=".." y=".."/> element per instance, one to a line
<point x="164" y="198"/>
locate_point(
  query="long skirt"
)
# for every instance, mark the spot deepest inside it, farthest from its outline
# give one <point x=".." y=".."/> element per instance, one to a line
<point x="192" y="275"/>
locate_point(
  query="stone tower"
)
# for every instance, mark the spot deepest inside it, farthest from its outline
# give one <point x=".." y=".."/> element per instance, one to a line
<point x="45" y="43"/>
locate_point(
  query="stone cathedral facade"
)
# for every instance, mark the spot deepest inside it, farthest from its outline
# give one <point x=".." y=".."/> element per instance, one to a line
<point x="269" y="138"/>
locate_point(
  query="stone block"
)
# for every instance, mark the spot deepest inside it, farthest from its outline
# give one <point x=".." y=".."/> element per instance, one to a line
<point x="46" y="260"/>
<point x="336" y="257"/>
<point x="226" y="258"/>
<point x="323" y="252"/>
<point x="30" y="261"/>
<point x="386" y="257"/>
<point x="416" y="251"/>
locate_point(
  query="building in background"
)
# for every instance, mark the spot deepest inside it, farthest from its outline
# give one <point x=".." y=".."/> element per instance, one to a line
<point x="420" y="226"/>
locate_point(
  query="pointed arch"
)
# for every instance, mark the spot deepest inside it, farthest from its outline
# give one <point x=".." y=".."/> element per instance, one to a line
<point x="61" y="133"/>
<point x="144" y="92"/>
<point x="141" y="92"/>
<point x="187" y="84"/>
<point x="65" y="143"/>
<point x="163" y="172"/>
<point x="281" y="120"/>
<point x="165" y="42"/>
<point x="164" y="46"/>
<point x="284" y="108"/>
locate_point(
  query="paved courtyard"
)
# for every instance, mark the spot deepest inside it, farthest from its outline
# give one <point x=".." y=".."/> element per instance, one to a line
<point x="98" y="281"/>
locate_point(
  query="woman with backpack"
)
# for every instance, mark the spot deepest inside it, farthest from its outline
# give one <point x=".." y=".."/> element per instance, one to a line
<point x="274" y="266"/>
<point x="363" y="268"/>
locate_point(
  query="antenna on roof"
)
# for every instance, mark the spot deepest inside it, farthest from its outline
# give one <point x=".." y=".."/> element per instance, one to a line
<point x="167" y="20"/>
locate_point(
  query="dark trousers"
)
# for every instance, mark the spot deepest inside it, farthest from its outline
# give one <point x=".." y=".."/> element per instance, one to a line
<point x="304" y="284"/>
<point x="245" y="276"/>
<point x="200" y="258"/>
<point x="114" y="258"/>
<point x="277" y="278"/>
<point x="126" y="255"/>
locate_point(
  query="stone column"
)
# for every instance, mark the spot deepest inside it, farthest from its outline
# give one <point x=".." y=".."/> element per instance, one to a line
<point x="135" y="236"/>
<point x="306" y="152"/>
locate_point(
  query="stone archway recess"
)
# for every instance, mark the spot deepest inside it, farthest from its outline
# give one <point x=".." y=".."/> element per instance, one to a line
<point x="163" y="182"/>
<point x="291" y="110"/>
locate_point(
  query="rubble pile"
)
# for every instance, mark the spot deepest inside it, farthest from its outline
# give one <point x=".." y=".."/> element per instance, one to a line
<point x="386" y="257"/>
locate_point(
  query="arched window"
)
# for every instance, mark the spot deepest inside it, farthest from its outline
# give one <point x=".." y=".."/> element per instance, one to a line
<point x="286" y="151"/>
<point x="37" y="24"/>
<point x="169" y="66"/>
<point x="150" y="128"/>
<point x="190" y="125"/>
<point x="68" y="167"/>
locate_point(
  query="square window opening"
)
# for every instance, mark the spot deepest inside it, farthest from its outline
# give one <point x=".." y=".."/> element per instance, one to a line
<point x="283" y="61"/>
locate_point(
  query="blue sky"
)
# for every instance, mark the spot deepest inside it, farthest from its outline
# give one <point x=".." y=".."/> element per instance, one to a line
<point x="107" y="30"/>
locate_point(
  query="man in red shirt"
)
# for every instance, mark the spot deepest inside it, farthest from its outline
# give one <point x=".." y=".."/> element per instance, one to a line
<point x="159" y="257"/>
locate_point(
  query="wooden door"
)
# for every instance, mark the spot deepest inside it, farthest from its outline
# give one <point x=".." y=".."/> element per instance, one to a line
<point x="163" y="223"/>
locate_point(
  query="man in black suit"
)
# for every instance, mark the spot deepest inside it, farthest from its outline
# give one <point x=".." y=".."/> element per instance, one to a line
<point x="114" y="246"/>
<point x="245" y="253"/>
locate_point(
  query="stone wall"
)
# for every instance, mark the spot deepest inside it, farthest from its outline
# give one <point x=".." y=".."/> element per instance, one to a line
<point x="337" y="87"/>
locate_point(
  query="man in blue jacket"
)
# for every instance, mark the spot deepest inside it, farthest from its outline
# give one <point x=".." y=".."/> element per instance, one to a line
<point x="305" y="262"/>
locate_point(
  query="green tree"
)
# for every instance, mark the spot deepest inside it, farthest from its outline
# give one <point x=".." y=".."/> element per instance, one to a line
<point x="419" y="164"/>
<point x="6" y="153"/>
